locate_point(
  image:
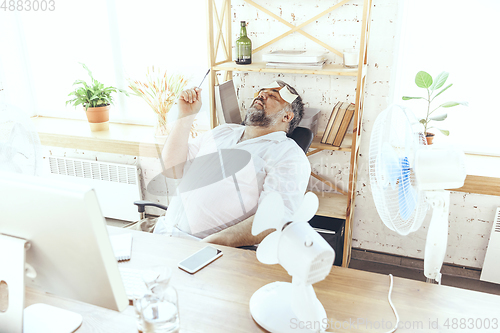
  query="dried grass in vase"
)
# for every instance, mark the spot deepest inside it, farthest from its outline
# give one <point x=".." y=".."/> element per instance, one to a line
<point x="160" y="91"/>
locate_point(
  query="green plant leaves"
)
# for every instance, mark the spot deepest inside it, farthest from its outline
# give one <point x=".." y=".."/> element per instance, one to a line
<point x="440" y="80"/>
<point x="445" y="132"/>
<point x="92" y="95"/>
<point x="444" y="89"/>
<point x="452" y="104"/>
<point x="406" y="98"/>
<point x="88" y="70"/>
<point x="423" y="79"/>
<point x="439" y="118"/>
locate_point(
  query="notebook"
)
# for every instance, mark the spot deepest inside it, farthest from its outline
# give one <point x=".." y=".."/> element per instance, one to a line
<point x="122" y="246"/>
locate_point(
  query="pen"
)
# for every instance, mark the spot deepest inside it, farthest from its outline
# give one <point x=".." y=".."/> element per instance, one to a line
<point x="204" y="78"/>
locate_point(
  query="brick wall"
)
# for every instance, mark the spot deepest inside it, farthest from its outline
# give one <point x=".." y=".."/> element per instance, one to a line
<point x="470" y="216"/>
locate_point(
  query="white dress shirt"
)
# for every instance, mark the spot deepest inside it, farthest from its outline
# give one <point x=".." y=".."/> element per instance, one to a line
<point x="224" y="180"/>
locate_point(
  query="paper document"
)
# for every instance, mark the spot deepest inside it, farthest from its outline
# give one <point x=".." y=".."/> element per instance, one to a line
<point x="122" y="246"/>
<point x="294" y="56"/>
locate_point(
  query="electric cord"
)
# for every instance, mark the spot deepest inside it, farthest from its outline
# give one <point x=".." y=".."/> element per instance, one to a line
<point x="392" y="306"/>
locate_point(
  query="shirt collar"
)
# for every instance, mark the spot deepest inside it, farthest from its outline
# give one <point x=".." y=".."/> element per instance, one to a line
<point x="277" y="136"/>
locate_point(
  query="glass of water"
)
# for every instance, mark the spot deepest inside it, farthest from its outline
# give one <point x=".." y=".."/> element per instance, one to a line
<point x="158" y="309"/>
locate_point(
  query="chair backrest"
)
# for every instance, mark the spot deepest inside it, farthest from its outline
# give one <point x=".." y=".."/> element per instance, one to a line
<point x="303" y="137"/>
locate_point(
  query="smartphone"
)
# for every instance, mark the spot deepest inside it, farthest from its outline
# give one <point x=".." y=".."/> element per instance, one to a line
<point x="200" y="259"/>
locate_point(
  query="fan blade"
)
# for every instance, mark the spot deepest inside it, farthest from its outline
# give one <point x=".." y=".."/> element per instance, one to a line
<point x="407" y="196"/>
<point x="20" y="150"/>
<point x="269" y="214"/>
<point x="389" y="166"/>
<point x="307" y="209"/>
<point x="7" y="152"/>
<point x="19" y="139"/>
<point x="267" y="251"/>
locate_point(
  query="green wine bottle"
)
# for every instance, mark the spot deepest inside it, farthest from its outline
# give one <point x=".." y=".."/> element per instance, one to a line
<point x="243" y="47"/>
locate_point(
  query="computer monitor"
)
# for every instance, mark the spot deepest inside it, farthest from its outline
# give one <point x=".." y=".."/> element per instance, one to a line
<point x="69" y="252"/>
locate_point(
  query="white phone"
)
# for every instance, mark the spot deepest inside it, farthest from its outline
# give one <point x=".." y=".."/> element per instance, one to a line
<point x="200" y="259"/>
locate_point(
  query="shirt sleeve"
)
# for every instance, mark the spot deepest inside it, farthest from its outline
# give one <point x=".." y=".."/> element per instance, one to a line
<point x="194" y="146"/>
<point x="202" y="144"/>
<point x="289" y="176"/>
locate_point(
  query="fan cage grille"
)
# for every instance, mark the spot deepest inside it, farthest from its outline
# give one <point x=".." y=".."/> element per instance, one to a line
<point x="319" y="270"/>
<point x="396" y="136"/>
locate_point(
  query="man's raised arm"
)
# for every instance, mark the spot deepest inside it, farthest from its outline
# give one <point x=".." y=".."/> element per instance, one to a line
<point x="175" y="150"/>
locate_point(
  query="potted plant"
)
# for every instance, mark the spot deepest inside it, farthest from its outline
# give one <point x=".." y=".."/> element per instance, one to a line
<point x="424" y="80"/>
<point x="160" y="91"/>
<point x="96" y="100"/>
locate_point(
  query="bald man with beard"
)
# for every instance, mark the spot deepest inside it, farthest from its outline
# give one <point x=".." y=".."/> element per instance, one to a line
<point x="222" y="212"/>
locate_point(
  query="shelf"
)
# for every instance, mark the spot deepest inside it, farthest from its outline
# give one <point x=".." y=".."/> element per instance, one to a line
<point x="345" y="146"/>
<point x="332" y="205"/>
<point x="261" y="67"/>
<point x="127" y="139"/>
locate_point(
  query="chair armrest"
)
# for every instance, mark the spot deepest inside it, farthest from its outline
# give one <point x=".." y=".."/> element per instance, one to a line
<point x="141" y="204"/>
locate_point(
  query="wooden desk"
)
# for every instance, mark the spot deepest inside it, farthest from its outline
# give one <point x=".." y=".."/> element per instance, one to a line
<point x="216" y="298"/>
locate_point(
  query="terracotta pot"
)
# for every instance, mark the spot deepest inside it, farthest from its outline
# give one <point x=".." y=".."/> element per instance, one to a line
<point x="429" y="137"/>
<point x="98" y="118"/>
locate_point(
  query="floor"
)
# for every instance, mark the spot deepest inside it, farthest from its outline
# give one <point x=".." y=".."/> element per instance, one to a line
<point x="418" y="274"/>
<point x="384" y="264"/>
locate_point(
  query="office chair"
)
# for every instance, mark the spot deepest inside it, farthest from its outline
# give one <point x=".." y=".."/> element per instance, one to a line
<point x="301" y="135"/>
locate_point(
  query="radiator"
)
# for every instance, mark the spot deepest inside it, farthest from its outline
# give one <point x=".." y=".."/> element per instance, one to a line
<point x="491" y="266"/>
<point x="117" y="186"/>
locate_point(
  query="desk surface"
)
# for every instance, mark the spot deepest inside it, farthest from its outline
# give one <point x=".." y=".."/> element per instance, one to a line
<point x="216" y="298"/>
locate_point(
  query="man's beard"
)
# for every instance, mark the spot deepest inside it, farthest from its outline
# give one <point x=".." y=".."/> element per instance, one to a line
<point x="256" y="117"/>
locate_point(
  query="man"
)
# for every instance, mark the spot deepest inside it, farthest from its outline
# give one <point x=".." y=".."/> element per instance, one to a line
<point x="257" y="158"/>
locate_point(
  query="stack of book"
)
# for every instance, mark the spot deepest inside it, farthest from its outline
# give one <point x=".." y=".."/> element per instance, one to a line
<point x="294" y="59"/>
<point x="338" y="123"/>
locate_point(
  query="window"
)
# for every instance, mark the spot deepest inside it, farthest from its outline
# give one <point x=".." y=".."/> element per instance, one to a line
<point x="456" y="36"/>
<point x="40" y="52"/>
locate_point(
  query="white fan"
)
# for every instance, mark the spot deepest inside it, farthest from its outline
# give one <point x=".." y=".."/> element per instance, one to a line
<point x="406" y="175"/>
<point x="20" y="148"/>
<point x="304" y="254"/>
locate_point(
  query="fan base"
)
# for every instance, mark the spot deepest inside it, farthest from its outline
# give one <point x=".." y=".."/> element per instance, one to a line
<point x="270" y="307"/>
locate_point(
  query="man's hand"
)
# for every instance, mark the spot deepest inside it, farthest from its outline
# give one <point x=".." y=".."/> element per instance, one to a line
<point x="189" y="102"/>
<point x="238" y="235"/>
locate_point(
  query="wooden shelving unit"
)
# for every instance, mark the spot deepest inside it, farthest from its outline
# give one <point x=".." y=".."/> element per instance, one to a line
<point x="332" y="204"/>
<point x="337" y="205"/>
<point x="261" y="68"/>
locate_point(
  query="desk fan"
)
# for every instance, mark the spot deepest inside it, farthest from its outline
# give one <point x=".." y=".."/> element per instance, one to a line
<point x="406" y="176"/>
<point x="20" y="148"/>
<point x="303" y="253"/>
